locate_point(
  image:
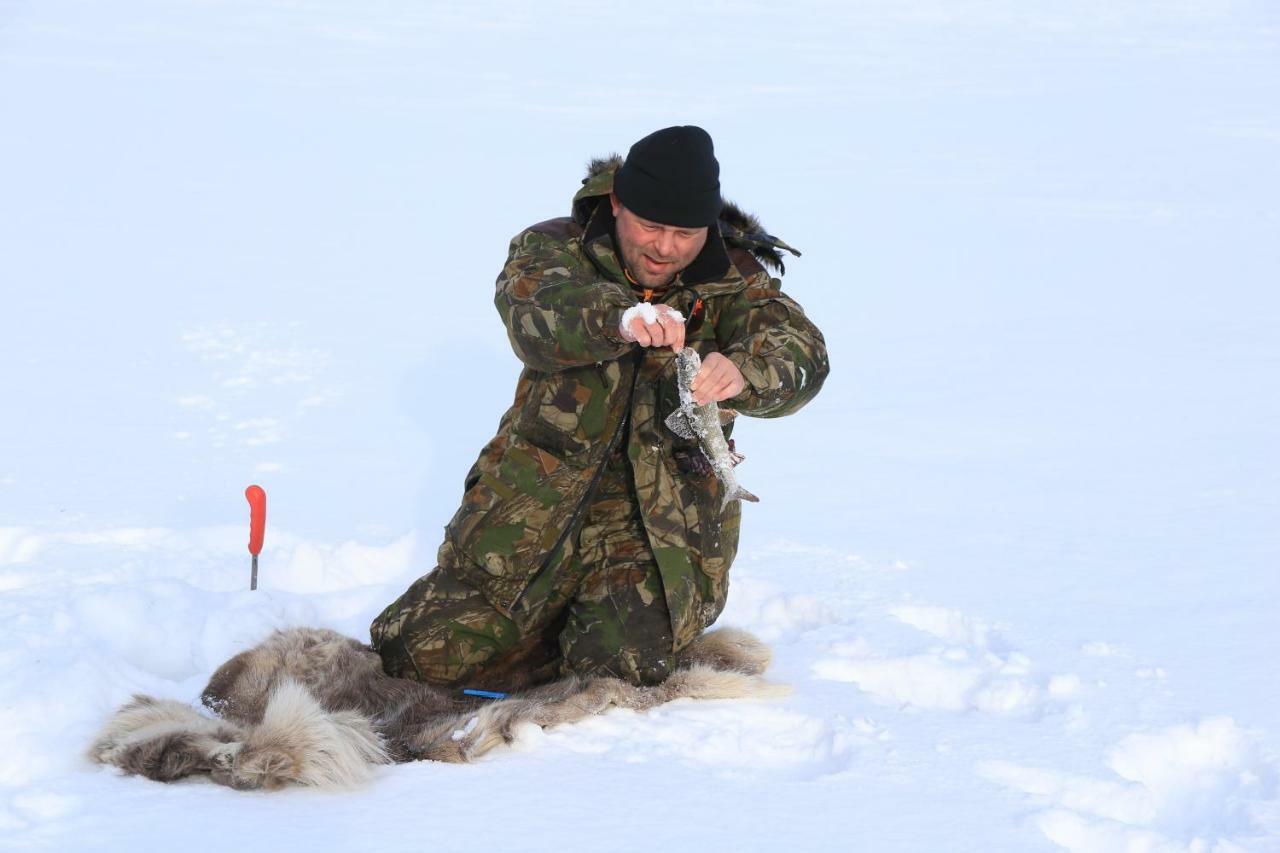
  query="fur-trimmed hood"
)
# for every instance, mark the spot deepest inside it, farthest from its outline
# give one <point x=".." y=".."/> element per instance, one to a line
<point x="738" y="228"/>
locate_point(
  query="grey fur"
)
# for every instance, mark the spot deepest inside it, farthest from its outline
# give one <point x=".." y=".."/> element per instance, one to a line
<point x="165" y="740"/>
<point x="309" y="706"/>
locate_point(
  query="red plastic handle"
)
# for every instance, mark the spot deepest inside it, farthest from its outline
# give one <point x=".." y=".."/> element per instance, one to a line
<point x="257" y="517"/>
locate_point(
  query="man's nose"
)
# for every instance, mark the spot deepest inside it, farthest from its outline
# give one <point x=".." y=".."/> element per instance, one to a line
<point x="666" y="243"/>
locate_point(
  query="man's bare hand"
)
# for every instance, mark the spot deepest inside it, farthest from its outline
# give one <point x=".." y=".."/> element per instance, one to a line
<point x="718" y="379"/>
<point x="653" y="326"/>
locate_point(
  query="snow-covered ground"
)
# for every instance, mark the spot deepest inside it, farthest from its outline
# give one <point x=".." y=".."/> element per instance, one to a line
<point x="1019" y="561"/>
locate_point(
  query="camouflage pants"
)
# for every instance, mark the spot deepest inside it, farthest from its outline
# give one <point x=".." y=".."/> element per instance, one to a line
<point x="598" y="610"/>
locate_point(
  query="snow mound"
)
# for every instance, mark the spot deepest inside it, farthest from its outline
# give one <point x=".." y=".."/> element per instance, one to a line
<point x="775" y="616"/>
<point x="314" y="567"/>
<point x="947" y="624"/>
<point x="972" y="670"/>
<point x="1184" y="787"/>
<point x="727" y="738"/>
<point x="18" y="545"/>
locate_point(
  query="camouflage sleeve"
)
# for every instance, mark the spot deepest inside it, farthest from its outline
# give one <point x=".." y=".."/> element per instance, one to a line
<point x="557" y="311"/>
<point x="781" y="354"/>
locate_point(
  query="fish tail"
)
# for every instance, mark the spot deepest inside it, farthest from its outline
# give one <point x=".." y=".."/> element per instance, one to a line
<point x="737" y="493"/>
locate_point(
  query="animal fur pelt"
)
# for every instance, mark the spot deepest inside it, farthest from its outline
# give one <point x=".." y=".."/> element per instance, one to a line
<point x="312" y="707"/>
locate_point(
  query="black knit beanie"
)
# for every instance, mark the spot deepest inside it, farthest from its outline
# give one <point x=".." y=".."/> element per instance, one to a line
<point x="671" y="177"/>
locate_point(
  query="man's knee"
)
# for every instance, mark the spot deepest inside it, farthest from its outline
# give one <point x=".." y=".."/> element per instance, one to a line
<point x="441" y="631"/>
<point x="637" y="666"/>
<point x="636" y="647"/>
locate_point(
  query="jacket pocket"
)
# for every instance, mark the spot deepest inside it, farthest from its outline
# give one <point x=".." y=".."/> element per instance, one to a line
<point x="567" y="413"/>
<point x="553" y="438"/>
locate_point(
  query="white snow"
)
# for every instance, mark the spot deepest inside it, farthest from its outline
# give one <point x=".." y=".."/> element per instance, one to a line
<point x="648" y="312"/>
<point x="643" y="310"/>
<point x="1183" y="788"/>
<point x="1017" y="561"/>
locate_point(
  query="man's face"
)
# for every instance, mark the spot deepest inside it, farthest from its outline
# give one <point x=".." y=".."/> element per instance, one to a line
<point x="654" y="252"/>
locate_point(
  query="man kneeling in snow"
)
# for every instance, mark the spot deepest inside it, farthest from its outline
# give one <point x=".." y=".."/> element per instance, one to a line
<point x="591" y="539"/>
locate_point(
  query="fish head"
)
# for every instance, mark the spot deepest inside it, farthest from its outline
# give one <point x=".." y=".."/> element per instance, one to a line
<point x="688" y="363"/>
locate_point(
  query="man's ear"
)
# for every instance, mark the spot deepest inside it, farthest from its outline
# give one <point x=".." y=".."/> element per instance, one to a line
<point x="614" y="203"/>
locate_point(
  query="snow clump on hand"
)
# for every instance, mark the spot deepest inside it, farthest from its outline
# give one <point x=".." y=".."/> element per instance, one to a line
<point x="647" y="312"/>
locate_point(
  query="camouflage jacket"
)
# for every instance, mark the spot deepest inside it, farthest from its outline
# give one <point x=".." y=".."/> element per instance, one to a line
<point x="584" y="391"/>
